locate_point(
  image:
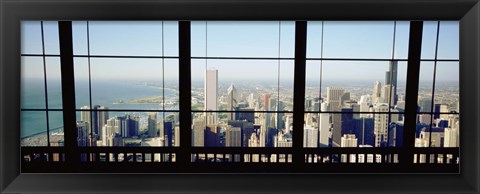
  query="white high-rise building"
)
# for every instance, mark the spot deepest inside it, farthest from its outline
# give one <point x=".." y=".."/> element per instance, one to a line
<point x="348" y="140"/>
<point x="451" y="137"/>
<point x="211" y="90"/>
<point x="232" y="96"/>
<point x="381" y="124"/>
<point x="387" y="94"/>
<point x="377" y="89"/>
<point x="324" y="124"/>
<point x="310" y="137"/>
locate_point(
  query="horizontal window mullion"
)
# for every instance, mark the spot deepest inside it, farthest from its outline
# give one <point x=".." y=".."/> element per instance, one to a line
<point x="353" y="59"/>
<point x="233" y="111"/>
<point x="244" y="58"/>
<point x="126" y="110"/>
<point x="125" y="56"/>
<point x="39" y="55"/>
<point x="442" y="113"/>
<point x="333" y="112"/>
<point x="40" y="109"/>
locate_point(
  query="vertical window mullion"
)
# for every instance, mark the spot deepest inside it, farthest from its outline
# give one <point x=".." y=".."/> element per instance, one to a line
<point x="68" y="91"/>
<point x="299" y="91"/>
<point x="45" y="83"/>
<point x="413" y="73"/>
<point x="185" y="86"/>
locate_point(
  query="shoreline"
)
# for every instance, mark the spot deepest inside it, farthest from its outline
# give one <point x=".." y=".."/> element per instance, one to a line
<point x="57" y="129"/>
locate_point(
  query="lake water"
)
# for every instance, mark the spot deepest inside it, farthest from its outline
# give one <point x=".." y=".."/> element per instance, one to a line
<point x="103" y="93"/>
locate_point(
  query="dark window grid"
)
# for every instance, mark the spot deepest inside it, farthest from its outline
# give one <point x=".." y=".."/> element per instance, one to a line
<point x="43" y="55"/>
<point x="129" y="110"/>
<point x="124" y="110"/>
<point x="434" y="79"/>
<point x="445" y="113"/>
<point x="391" y="77"/>
<point x="358" y="112"/>
<point x="239" y="58"/>
<point x="245" y="111"/>
<point x="89" y="56"/>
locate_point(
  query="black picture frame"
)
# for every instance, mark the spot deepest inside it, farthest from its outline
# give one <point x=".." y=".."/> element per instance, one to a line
<point x="12" y="12"/>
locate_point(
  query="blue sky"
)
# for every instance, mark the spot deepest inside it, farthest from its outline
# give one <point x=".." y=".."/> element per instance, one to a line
<point x="341" y="39"/>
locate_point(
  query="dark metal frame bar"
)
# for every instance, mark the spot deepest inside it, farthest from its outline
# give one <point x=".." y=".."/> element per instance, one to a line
<point x="413" y="73"/>
<point x="68" y="91"/>
<point x="299" y="90"/>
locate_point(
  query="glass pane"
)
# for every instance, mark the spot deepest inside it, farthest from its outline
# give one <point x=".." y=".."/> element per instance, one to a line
<point x="423" y="129"/>
<point x="402" y="35"/>
<point x="451" y="127"/>
<point x="31" y="37"/>
<point x="33" y="128"/>
<point x="447" y="87"/>
<point x="243" y="39"/>
<point x="32" y="83"/>
<point x="448" y="40"/>
<point x="54" y="83"/>
<point x="113" y="128"/>
<point x="55" y="122"/>
<point x="50" y="31"/>
<point x="247" y="129"/>
<point x="129" y="38"/>
<point x="429" y="39"/>
<point x="358" y="39"/>
<point x="314" y="39"/>
<point x="345" y="82"/>
<point x="82" y="94"/>
<point x="313" y="81"/>
<point x="425" y="87"/>
<point x="170" y="38"/>
<point x="117" y="85"/>
<point x="247" y="83"/>
<point x="79" y="35"/>
<point x="441" y="132"/>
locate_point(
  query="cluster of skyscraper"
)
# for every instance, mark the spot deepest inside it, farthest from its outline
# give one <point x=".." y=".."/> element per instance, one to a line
<point x="375" y="120"/>
<point x="127" y="130"/>
<point x="259" y="120"/>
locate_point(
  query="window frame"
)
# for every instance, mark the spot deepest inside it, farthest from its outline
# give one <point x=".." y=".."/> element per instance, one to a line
<point x="461" y="9"/>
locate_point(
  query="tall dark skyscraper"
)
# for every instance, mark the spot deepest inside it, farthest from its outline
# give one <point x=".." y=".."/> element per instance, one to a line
<point x="391" y="78"/>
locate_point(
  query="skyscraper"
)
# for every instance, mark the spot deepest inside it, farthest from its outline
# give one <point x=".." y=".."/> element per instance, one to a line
<point x="82" y="133"/>
<point x="310" y="137"/>
<point x="198" y="139"/>
<point x="233" y="137"/>
<point x="97" y="120"/>
<point x="392" y="80"/>
<point x="333" y="98"/>
<point x="377" y="89"/>
<point x="387" y="95"/>
<point x="324" y="125"/>
<point x="381" y="124"/>
<point x="152" y="124"/>
<point x="211" y="91"/>
<point x="279" y="117"/>
<point x="232" y="97"/>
